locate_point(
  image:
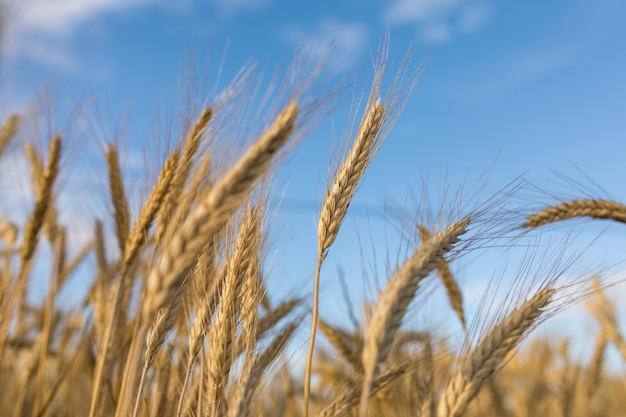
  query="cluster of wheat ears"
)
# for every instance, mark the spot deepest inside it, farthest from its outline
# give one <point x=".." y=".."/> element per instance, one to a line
<point x="177" y="321"/>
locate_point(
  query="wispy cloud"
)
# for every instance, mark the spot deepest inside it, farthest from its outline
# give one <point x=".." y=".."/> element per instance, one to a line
<point x="43" y="30"/>
<point x="232" y="6"/>
<point x="436" y="33"/>
<point x="410" y="11"/>
<point x="473" y="17"/>
<point x="346" y="39"/>
<point x="523" y="69"/>
<point x="438" y="21"/>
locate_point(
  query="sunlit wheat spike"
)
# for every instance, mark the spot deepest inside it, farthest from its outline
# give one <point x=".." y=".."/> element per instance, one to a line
<point x="8" y="232"/>
<point x="118" y="197"/>
<point x="264" y="360"/>
<point x="8" y="132"/>
<point x="165" y="279"/>
<point x="393" y="303"/>
<point x="596" y="209"/>
<point x="604" y="311"/>
<point x="142" y="225"/>
<point x="594" y="370"/>
<point x="42" y="203"/>
<point x="32" y="230"/>
<point x="348" y="345"/>
<point x="489" y="354"/>
<point x="335" y="207"/>
<point x="340" y="193"/>
<point x="349" y="399"/>
<point x="454" y="293"/>
<point x="222" y="332"/>
<point x="190" y="149"/>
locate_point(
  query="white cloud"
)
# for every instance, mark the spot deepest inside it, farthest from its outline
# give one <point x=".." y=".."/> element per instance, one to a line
<point x="345" y="39"/>
<point x="232" y="6"/>
<point x="61" y="17"/>
<point x="406" y="11"/>
<point x="438" y="20"/>
<point x="436" y="33"/>
<point x="42" y="30"/>
<point x="473" y="17"/>
<point x="524" y="69"/>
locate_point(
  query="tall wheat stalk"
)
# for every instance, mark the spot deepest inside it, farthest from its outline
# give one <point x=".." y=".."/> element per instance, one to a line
<point x="335" y="208"/>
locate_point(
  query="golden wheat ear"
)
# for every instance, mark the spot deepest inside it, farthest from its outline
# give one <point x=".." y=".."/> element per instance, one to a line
<point x="490" y="353"/>
<point x="177" y="256"/>
<point x="8" y="132"/>
<point x="595" y="209"/>
<point x="394" y="301"/>
<point x="452" y="288"/>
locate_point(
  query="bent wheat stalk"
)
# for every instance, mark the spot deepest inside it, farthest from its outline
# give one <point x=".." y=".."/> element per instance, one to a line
<point x="454" y="293"/>
<point x="335" y="208"/>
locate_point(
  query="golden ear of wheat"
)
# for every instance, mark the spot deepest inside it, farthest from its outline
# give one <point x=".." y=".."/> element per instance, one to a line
<point x="596" y="209"/>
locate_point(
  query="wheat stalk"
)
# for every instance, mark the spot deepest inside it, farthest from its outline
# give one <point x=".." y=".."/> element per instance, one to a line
<point x="335" y="208"/>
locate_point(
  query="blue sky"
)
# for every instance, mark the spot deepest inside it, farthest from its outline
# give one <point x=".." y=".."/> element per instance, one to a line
<point x="538" y="87"/>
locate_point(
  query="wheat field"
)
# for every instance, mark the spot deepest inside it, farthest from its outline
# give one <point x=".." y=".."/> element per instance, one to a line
<point x="178" y="320"/>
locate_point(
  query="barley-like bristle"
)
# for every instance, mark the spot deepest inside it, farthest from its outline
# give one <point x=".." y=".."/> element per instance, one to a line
<point x="596" y="209"/>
